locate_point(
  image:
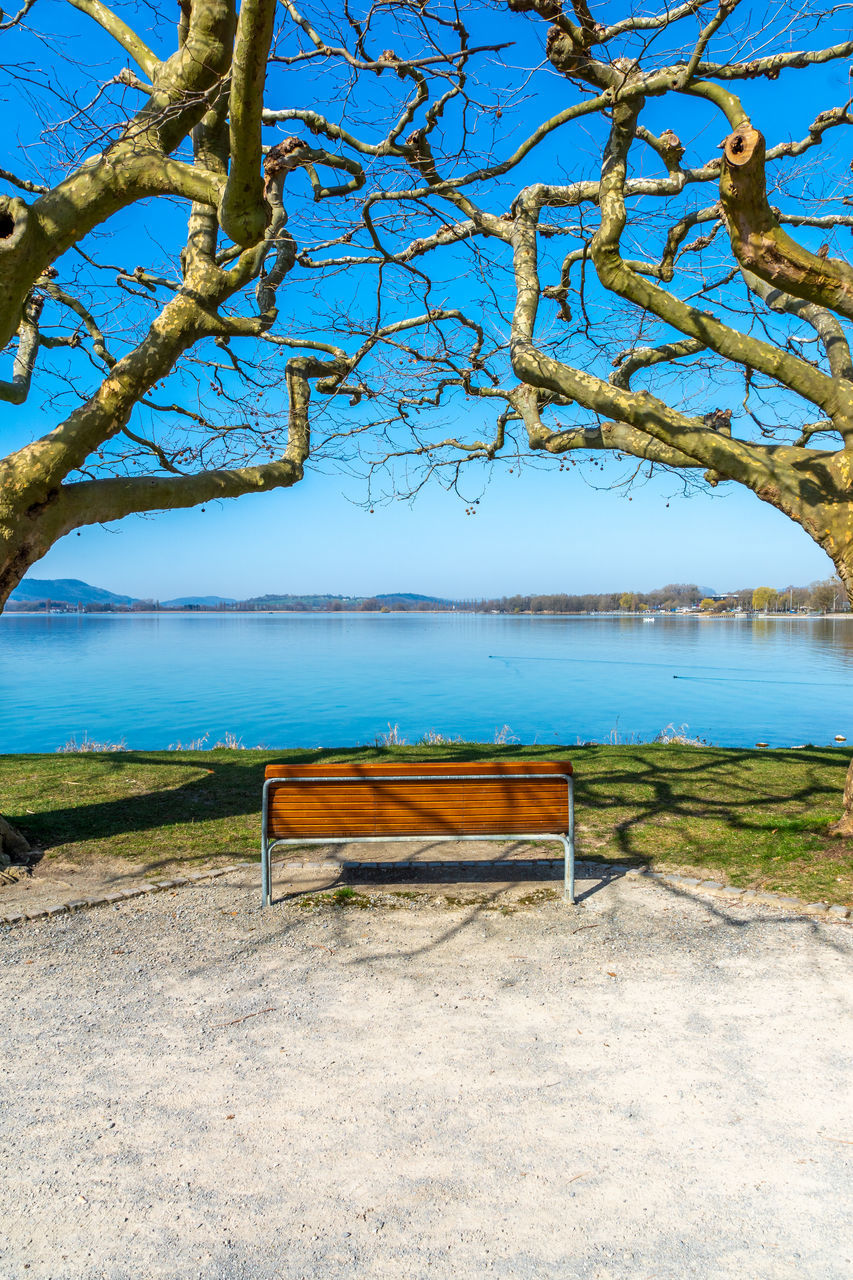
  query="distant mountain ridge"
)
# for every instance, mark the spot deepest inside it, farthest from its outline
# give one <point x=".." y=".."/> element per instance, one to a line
<point x="64" y="591"/>
<point x="72" y="591"/>
<point x="321" y="601"/>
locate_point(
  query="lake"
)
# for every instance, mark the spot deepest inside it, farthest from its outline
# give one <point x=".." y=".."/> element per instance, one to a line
<point x="308" y="680"/>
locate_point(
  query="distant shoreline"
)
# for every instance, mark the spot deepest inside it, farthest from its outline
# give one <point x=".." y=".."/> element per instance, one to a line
<point x="198" y="611"/>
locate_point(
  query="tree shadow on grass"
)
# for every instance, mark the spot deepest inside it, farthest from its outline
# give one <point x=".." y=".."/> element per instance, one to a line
<point x="623" y="794"/>
<point x="221" y="785"/>
<point x="727" y="791"/>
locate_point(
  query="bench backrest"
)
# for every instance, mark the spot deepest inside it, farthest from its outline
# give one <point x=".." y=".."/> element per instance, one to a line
<point x="418" y="798"/>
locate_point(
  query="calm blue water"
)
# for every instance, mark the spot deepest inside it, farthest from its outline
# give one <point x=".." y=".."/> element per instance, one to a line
<point x="306" y="680"/>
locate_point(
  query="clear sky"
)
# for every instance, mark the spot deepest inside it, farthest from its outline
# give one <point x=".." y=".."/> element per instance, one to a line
<point x="540" y="530"/>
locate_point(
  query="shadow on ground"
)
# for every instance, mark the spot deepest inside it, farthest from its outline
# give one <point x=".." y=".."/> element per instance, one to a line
<point x="633" y="802"/>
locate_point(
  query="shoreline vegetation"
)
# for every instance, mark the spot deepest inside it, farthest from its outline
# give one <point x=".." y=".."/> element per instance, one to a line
<point x="754" y="818"/>
<point x="826" y="598"/>
<point x="796" y="615"/>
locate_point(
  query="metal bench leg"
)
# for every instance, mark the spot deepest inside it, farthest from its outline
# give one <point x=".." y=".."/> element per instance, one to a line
<point x="266" y="870"/>
<point x="569" y="847"/>
<point x="569" y="872"/>
<point x="266" y="875"/>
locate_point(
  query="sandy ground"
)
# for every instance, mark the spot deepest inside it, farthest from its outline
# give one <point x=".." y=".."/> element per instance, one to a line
<point x="459" y="1083"/>
<point x="54" y="880"/>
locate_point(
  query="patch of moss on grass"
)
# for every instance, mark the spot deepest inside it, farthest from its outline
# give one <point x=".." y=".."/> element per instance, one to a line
<point x="344" y="897"/>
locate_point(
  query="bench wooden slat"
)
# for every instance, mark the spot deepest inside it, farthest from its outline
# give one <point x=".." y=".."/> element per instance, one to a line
<point x="312" y="806"/>
<point x="301" y="795"/>
<point x="423" y="767"/>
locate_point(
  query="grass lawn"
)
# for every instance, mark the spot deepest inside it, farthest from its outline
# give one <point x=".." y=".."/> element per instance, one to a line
<point x="752" y="818"/>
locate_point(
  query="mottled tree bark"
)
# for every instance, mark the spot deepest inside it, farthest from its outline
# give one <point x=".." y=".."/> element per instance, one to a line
<point x="761" y="245"/>
<point x="136" y="165"/>
<point x="810" y="486"/>
<point x="13" y="846"/>
<point x="844" y="826"/>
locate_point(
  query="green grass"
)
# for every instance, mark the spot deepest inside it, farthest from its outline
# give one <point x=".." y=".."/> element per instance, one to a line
<point x="756" y="819"/>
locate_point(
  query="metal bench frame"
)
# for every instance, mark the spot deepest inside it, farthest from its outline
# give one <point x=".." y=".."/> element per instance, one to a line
<point x="567" y="839"/>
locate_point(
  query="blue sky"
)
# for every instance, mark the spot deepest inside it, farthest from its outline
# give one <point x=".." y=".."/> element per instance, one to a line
<point x="540" y="530"/>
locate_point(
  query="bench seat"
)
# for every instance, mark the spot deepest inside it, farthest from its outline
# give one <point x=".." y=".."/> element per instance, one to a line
<point x="418" y="800"/>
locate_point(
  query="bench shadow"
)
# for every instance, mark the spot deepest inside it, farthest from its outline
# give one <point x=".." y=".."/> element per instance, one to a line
<point x="497" y="872"/>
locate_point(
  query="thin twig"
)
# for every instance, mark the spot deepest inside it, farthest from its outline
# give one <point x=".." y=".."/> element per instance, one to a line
<point x="234" y="1021"/>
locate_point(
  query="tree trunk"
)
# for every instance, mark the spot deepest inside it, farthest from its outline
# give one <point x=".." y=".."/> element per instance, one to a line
<point x="844" y="825"/>
<point x="13" y="846"/>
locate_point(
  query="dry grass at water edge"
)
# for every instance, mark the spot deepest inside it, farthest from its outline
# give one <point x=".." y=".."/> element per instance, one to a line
<point x="755" y="819"/>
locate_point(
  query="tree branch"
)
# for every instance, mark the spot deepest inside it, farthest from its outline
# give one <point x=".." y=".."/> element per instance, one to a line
<point x="124" y="35"/>
<point x="241" y="212"/>
<point x="16" y="391"/>
<point x="759" y="243"/>
<point x="833" y="398"/>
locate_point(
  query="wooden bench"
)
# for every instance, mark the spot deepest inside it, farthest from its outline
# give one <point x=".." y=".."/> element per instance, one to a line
<point x="336" y="803"/>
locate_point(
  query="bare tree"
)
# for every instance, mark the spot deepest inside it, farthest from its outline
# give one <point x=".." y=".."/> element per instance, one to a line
<point x="683" y="326"/>
<point x="541" y="242"/>
<point x="165" y="326"/>
<point x="188" y="378"/>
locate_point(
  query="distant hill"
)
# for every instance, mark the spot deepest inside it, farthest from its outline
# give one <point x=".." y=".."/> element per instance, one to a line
<point x="334" y="603"/>
<point x="71" y="591"/>
<point x="294" y="602"/>
<point x="323" y="601"/>
<point x="64" y="591"/>
<point x="407" y="597"/>
<point x="186" y="602"/>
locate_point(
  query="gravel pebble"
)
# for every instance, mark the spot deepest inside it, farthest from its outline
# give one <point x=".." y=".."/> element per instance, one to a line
<point x="457" y="1082"/>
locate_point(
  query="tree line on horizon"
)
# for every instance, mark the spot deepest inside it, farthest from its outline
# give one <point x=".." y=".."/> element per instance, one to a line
<point x="824" y="596"/>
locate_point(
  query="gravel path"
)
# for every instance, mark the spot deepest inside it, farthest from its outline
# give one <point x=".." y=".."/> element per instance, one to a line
<point x="648" y="1086"/>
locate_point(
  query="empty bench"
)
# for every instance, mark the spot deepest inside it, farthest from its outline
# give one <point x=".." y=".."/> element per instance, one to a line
<point x="338" y="803"/>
